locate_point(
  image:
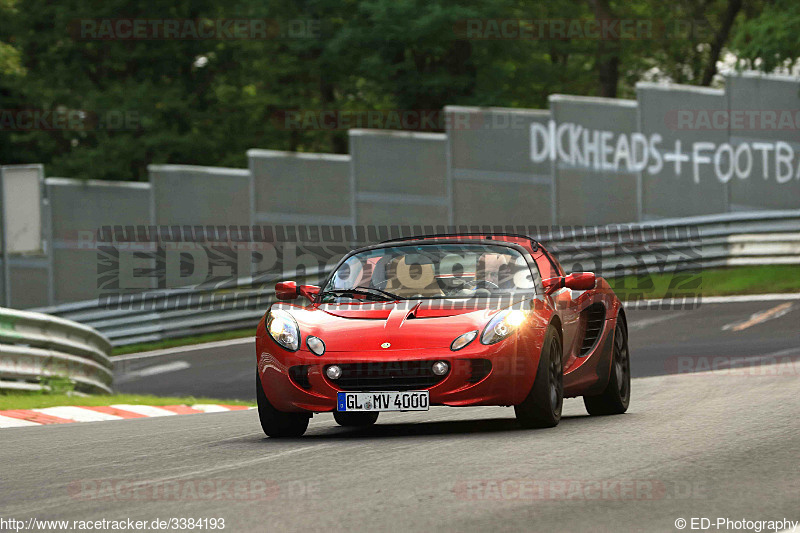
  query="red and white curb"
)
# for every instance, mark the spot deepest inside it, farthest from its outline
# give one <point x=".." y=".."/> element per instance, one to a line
<point x="68" y="414"/>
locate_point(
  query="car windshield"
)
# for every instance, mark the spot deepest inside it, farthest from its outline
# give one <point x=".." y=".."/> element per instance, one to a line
<point x="430" y="271"/>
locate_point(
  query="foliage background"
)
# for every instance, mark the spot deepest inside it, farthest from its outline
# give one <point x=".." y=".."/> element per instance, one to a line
<point x="206" y="102"/>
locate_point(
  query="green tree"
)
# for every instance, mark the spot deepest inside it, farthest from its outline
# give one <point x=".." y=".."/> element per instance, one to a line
<point x="207" y="101"/>
<point x="770" y="39"/>
<point x="10" y="64"/>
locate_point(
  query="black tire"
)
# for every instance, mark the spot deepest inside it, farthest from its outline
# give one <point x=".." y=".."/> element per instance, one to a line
<point x="278" y="424"/>
<point x="355" y="419"/>
<point x="614" y="400"/>
<point x="542" y="407"/>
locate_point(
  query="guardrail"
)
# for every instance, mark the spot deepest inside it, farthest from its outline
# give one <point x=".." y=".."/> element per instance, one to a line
<point x="166" y="316"/>
<point x="771" y="237"/>
<point x="733" y="239"/>
<point x="35" y="347"/>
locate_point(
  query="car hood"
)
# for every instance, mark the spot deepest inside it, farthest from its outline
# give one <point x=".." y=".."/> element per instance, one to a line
<point x="405" y="325"/>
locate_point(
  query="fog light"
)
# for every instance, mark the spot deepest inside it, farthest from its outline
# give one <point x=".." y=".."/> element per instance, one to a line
<point x="440" y="368"/>
<point x="333" y="372"/>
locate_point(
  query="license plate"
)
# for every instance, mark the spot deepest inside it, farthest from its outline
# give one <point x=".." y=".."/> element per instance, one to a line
<point x="382" y="401"/>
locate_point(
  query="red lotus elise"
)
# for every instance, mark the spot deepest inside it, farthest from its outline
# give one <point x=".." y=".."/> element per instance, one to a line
<point x="458" y="320"/>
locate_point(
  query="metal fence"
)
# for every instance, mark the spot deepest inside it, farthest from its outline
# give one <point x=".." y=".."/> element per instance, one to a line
<point x="36" y="348"/>
<point x="665" y="245"/>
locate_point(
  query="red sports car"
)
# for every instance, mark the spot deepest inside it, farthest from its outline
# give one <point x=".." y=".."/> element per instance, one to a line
<point x="458" y="320"/>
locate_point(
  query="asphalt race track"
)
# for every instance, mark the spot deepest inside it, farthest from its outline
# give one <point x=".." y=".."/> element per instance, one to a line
<point x="693" y="444"/>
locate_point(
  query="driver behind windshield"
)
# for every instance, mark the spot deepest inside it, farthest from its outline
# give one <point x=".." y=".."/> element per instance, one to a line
<point x="430" y="271"/>
<point x="412" y="280"/>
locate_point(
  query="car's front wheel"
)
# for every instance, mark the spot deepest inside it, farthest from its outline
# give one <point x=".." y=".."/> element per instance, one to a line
<point x="617" y="396"/>
<point x="542" y="407"/>
<point x="278" y="423"/>
<point x="355" y="419"/>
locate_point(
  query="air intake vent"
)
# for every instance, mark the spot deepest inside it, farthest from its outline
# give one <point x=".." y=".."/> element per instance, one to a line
<point x="479" y="369"/>
<point x="390" y="375"/>
<point x="299" y="375"/>
<point x="594" y="317"/>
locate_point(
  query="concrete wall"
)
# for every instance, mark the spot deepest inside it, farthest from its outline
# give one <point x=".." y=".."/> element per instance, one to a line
<point x="30" y="282"/>
<point x="492" y="177"/>
<point x="399" y="177"/>
<point x="291" y="187"/>
<point x="675" y="113"/>
<point x="594" y="184"/>
<point x="192" y="195"/>
<point x="769" y="108"/>
<point x="79" y="208"/>
<point x="24" y="229"/>
<point x="22" y="216"/>
<point x="675" y="151"/>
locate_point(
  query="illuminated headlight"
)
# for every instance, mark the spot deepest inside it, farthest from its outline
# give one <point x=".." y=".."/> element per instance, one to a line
<point x="283" y="329"/>
<point x="315" y="344"/>
<point x="502" y="325"/>
<point x="463" y="340"/>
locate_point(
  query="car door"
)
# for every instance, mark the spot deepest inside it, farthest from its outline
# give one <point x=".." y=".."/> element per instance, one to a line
<point x="565" y="304"/>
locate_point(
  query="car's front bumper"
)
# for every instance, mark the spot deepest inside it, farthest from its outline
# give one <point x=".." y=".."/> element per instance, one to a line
<point x="513" y="369"/>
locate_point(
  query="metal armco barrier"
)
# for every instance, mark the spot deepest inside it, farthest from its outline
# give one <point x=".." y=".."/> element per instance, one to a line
<point x="734" y="239"/>
<point x="35" y="347"/>
<point x="170" y="314"/>
<point x="768" y="237"/>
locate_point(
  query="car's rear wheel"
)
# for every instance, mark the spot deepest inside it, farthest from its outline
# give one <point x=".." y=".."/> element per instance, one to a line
<point x="542" y="407"/>
<point x="355" y="419"/>
<point x="278" y="423"/>
<point x="614" y="400"/>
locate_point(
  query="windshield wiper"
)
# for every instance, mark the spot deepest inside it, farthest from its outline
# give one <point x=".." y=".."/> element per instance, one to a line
<point x="387" y="296"/>
<point x="385" y="293"/>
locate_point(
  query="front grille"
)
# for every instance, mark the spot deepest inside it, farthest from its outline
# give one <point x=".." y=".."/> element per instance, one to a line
<point x="388" y="376"/>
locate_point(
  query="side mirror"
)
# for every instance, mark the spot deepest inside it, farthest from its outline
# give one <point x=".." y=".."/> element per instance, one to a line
<point x="289" y="290"/>
<point x="286" y="290"/>
<point x="552" y="284"/>
<point x="580" y="281"/>
<point x="309" y="291"/>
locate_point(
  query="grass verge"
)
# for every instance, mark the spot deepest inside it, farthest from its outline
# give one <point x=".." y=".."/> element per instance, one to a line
<point x="35" y="400"/>
<point x="712" y="282"/>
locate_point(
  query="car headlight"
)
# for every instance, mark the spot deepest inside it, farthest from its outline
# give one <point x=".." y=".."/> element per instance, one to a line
<point x="502" y="325"/>
<point x="462" y="340"/>
<point x="283" y="329"/>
